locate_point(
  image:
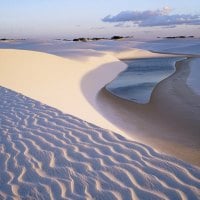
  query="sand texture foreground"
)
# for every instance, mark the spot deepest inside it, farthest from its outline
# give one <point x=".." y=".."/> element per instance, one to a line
<point x="46" y="154"/>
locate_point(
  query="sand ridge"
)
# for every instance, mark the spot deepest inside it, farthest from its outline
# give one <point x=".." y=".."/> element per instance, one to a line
<point x="46" y="154"/>
<point x="58" y="81"/>
<point x="55" y="80"/>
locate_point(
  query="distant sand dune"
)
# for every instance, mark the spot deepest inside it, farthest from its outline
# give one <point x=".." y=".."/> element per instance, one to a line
<point x="46" y="154"/>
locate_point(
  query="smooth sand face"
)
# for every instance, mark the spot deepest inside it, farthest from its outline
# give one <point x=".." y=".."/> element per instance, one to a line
<point x="56" y="81"/>
<point x="60" y="82"/>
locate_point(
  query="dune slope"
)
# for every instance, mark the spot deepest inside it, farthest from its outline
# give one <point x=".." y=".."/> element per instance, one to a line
<point x="56" y="81"/>
<point x="46" y="154"/>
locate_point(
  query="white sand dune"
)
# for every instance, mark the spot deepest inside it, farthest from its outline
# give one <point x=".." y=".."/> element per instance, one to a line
<point x="57" y="81"/>
<point x="46" y="154"/>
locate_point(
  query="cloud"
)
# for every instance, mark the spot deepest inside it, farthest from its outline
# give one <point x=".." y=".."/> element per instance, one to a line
<point x="124" y="25"/>
<point x="148" y="18"/>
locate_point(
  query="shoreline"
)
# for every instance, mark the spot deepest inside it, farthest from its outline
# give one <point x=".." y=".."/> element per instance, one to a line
<point x="164" y="123"/>
<point x="150" y="91"/>
<point x="177" y="54"/>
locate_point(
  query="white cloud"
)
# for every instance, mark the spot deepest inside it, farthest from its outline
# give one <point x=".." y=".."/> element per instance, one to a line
<point x="166" y="10"/>
<point x="148" y="18"/>
<point x="124" y="25"/>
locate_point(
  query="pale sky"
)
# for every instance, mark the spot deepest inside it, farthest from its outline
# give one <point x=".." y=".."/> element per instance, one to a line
<point x="98" y="18"/>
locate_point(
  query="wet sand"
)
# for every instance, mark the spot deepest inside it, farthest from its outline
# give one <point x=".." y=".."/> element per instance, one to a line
<point x="170" y="122"/>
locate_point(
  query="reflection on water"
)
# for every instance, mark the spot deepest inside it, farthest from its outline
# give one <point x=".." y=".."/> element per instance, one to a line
<point x="137" y="82"/>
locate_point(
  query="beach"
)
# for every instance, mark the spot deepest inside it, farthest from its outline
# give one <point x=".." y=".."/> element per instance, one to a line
<point x="65" y="136"/>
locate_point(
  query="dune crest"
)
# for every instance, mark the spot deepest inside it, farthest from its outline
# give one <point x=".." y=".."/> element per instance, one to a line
<point x="46" y="154"/>
<point x="57" y="81"/>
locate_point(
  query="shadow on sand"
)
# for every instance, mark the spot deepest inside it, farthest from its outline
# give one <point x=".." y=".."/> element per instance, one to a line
<point x="169" y="123"/>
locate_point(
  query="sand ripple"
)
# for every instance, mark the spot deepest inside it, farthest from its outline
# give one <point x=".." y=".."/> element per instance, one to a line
<point x="46" y="154"/>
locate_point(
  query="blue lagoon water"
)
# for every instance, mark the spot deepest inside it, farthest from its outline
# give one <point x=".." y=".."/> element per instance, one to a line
<point x="137" y="82"/>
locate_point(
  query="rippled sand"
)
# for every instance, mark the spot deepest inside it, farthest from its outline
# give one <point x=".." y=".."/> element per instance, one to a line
<point x="46" y="154"/>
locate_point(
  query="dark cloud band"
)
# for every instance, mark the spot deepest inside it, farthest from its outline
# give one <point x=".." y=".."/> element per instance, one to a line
<point x="147" y="18"/>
